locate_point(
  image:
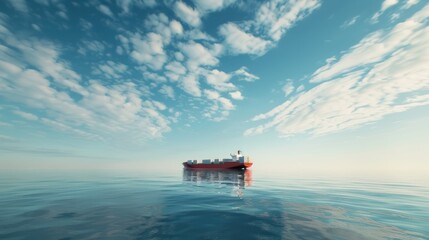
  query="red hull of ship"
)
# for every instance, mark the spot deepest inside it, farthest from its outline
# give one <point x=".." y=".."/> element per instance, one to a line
<point x="225" y="165"/>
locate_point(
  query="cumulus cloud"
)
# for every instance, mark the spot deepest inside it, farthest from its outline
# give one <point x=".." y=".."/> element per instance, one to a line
<point x="187" y="14"/>
<point x="198" y="55"/>
<point x="160" y="24"/>
<point x="91" y="46"/>
<point x="176" y="27"/>
<point x="359" y="88"/>
<point x="34" y="75"/>
<point x="241" y="42"/>
<point x="191" y="85"/>
<point x="46" y="57"/>
<point x="196" y="34"/>
<point x="220" y="108"/>
<point x="111" y="69"/>
<point x="157" y="78"/>
<point x="167" y="91"/>
<point x="148" y="50"/>
<point x="175" y="70"/>
<point x="236" y="95"/>
<point x="219" y="80"/>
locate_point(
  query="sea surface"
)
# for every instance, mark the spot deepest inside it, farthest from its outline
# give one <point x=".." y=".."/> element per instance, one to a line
<point x="207" y="205"/>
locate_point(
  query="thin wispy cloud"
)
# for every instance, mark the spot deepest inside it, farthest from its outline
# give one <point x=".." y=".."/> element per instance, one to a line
<point x="105" y="10"/>
<point x="26" y="115"/>
<point x="19" y="5"/>
<point x="384" y="6"/>
<point x="274" y="18"/>
<point x="374" y="78"/>
<point x="350" y="22"/>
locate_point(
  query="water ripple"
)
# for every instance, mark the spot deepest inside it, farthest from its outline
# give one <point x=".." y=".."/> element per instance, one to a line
<point x="209" y="205"/>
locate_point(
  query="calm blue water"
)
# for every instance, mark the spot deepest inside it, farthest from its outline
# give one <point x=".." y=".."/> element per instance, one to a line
<point x="207" y="205"/>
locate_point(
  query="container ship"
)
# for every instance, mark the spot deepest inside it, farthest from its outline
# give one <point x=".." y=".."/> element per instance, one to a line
<point x="237" y="161"/>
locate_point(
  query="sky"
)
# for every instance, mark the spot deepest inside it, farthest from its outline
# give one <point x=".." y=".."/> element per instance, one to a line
<point x="299" y="85"/>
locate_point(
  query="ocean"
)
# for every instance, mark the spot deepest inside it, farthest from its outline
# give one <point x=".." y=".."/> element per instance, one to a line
<point x="192" y="204"/>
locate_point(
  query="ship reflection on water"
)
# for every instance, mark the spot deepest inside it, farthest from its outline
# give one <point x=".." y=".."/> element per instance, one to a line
<point x="237" y="179"/>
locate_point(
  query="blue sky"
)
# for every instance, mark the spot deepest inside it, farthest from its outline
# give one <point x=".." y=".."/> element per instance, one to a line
<point x="333" y="85"/>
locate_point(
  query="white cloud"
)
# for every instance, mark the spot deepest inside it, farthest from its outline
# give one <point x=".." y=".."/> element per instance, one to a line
<point x="410" y="3"/>
<point x="361" y="91"/>
<point x="275" y="17"/>
<point x="160" y="24"/>
<point x="387" y="4"/>
<point x="236" y="95"/>
<point x="288" y="88"/>
<point x="93" y="46"/>
<point x="149" y="50"/>
<point x="384" y="6"/>
<point x="212" y="5"/>
<point x="155" y="105"/>
<point x="154" y="76"/>
<point x="245" y="75"/>
<point x="126" y="5"/>
<point x="176" y="27"/>
<point x="42" y="2"/>
<point x="34" y="75"/>
<point x="119" y="50"/>
<point x="300" y="88"/>
<point x="219" y="80"/>
<point x="372" y="49"/>
<point x="240" y="42"/>
<point x="112" y="70"/>
<point x="212" y="94"/>
<point x="191" y="85"/>
<point x="350" y="22"/>
<point x="19" y="5"/>
<point x="197" y="34"/>
<point x="28" y="116"/>
<point x="35" y="27"/>
<point x="85" y="24"/>
<point x="198" y="55"/>
<point x="187" y="14"/>
<point x="394" y="17"/>
<point x="105" y="10"/>
<point x="225" y="103"/>
<point x="175" y="70"/>
<point x="179" y="56"/>
<point x="176" y="67"/>
<point x="272" y="20"/>
<point x="167" y="91"/>
<point x="62" y="14"/>
<point x="43" y="56"/>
